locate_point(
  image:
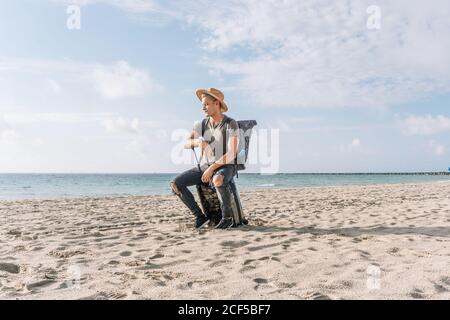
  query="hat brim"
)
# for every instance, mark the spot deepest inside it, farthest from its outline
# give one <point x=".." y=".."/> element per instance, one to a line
<point x="199" y="93"/>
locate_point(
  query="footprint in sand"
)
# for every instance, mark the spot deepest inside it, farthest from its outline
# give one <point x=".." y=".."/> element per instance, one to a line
<point x="106" y="296"/>
<point x="9" y="267"/>
<point x="261" y="280"/>
<point x="39" y="284"/>
<point x="285" y="285"/>
<point x="247" y="269"/>
<point x="125" y="253"/>
<point x="268" y="259"/>
<point x="234" y="244"/>
<point x="218" y="263"/>
<point x="364" y="254"/>
<point x="445" y="280"/>
<point x="317" y="296"/>
<point x="346" y="284"/>
<point x="248" y="261"/>
<point x="156" y="256"/>
<point x="441" y="286"/>
<point x="417" y="294"/>
<point x="261" y="283"/>
<point x="394" y="251"/>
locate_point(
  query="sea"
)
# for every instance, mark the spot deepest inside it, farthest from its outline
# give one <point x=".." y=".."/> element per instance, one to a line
<point x="53" y="186"/>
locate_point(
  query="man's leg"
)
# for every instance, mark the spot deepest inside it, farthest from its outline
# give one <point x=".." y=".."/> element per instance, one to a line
<point x="180" y="186"/>
<point x="221" y="179"/>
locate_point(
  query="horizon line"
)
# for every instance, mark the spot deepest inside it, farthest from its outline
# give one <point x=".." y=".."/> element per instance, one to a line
<point x="240" y="173"/>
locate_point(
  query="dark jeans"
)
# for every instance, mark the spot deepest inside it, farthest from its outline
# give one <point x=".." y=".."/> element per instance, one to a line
<point x="193" y="177"/>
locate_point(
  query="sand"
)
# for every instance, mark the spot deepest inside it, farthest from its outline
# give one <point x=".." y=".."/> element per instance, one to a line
<point x="353" y="242"/>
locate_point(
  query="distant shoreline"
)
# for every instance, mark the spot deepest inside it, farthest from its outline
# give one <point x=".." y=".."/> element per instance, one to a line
<point x="435" y="173"/>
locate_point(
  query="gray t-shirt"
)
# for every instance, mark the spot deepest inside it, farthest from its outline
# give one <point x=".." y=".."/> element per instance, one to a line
<point x="215" y="136"/>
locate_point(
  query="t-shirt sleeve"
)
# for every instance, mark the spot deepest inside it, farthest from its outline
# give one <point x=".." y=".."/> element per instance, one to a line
<point x="198" y="128"/>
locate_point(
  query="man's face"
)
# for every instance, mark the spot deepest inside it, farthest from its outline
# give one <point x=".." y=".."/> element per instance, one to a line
<point x="210" y="107"/>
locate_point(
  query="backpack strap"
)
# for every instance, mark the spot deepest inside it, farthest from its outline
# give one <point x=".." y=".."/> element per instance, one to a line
<point x="203" y="133"/>
<point x="204" y="126"/>
<point x="224" y="132"/>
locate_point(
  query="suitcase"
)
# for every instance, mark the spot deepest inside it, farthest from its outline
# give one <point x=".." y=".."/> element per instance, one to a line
<point x="211" y="205"/>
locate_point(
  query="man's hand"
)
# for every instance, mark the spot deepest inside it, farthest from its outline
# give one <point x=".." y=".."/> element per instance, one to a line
<point x="207" y="175"/>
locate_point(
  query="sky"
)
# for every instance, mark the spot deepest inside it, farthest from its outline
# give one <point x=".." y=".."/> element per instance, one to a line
<point x="108" y="86"/>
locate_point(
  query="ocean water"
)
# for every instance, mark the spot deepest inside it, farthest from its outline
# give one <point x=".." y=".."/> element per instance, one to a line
<point x="51" y="186"/>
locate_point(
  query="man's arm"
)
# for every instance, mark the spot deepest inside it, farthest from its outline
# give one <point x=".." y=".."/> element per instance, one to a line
<point x="195" y="141"/>
<point x="192" y="141"/>
<point x="228" y="157"/>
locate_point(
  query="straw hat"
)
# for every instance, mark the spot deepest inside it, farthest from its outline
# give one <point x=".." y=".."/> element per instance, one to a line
<point x="214" y="93"/>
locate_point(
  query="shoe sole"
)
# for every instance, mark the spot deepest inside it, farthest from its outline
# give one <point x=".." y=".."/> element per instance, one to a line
<point x="228" y="227"/>
<point x="204" y="224"/>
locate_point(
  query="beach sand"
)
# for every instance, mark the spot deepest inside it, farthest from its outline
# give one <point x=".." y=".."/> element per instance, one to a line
<point x="352" y="242"/>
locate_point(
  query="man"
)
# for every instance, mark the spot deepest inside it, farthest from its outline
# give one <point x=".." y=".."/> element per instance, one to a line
<point x="218" y="143"/>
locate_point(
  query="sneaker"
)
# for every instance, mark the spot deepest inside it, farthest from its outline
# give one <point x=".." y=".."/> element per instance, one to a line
<point x="200" y="221"/>
<point x="225" y="223"/>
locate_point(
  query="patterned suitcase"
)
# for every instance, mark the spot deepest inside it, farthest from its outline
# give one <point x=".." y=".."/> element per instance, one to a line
<point x="211" y="205"/>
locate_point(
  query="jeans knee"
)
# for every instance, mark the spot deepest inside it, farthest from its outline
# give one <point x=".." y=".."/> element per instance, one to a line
<point x="174" y="187"/>
<point x="218" y="181"/>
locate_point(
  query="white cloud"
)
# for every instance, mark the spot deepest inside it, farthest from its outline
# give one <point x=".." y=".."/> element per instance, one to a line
<point x="321" y="54"/>
<point x="425" y="125"/>
<point x="292" y="123"/>
<point x="112" y="122"/>
<point x="7" y="135"/>
<point x="53" y="86"/>
<point x="312" y="53"/>
<point x="6" y="132"/>
<point x="121" y="80"/>
<point x="437" y="148"/>
<point x="133" y="6"/>
<point x="354" y="145"/>
<point x="142" y="137"/>
<point x="21" y="119"/>
<point x="110" y="81"/>
<point x="316" y="53"/>
<point x="304" y="120"/>
<point x="122" y="125"/>
<point x="37" y="142"/>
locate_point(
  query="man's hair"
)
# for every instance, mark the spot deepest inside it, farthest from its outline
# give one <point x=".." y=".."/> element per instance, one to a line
<point x="209" y="96"/>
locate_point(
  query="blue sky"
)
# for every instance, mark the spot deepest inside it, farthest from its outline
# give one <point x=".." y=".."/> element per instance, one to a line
<point x="113" y="95"/>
